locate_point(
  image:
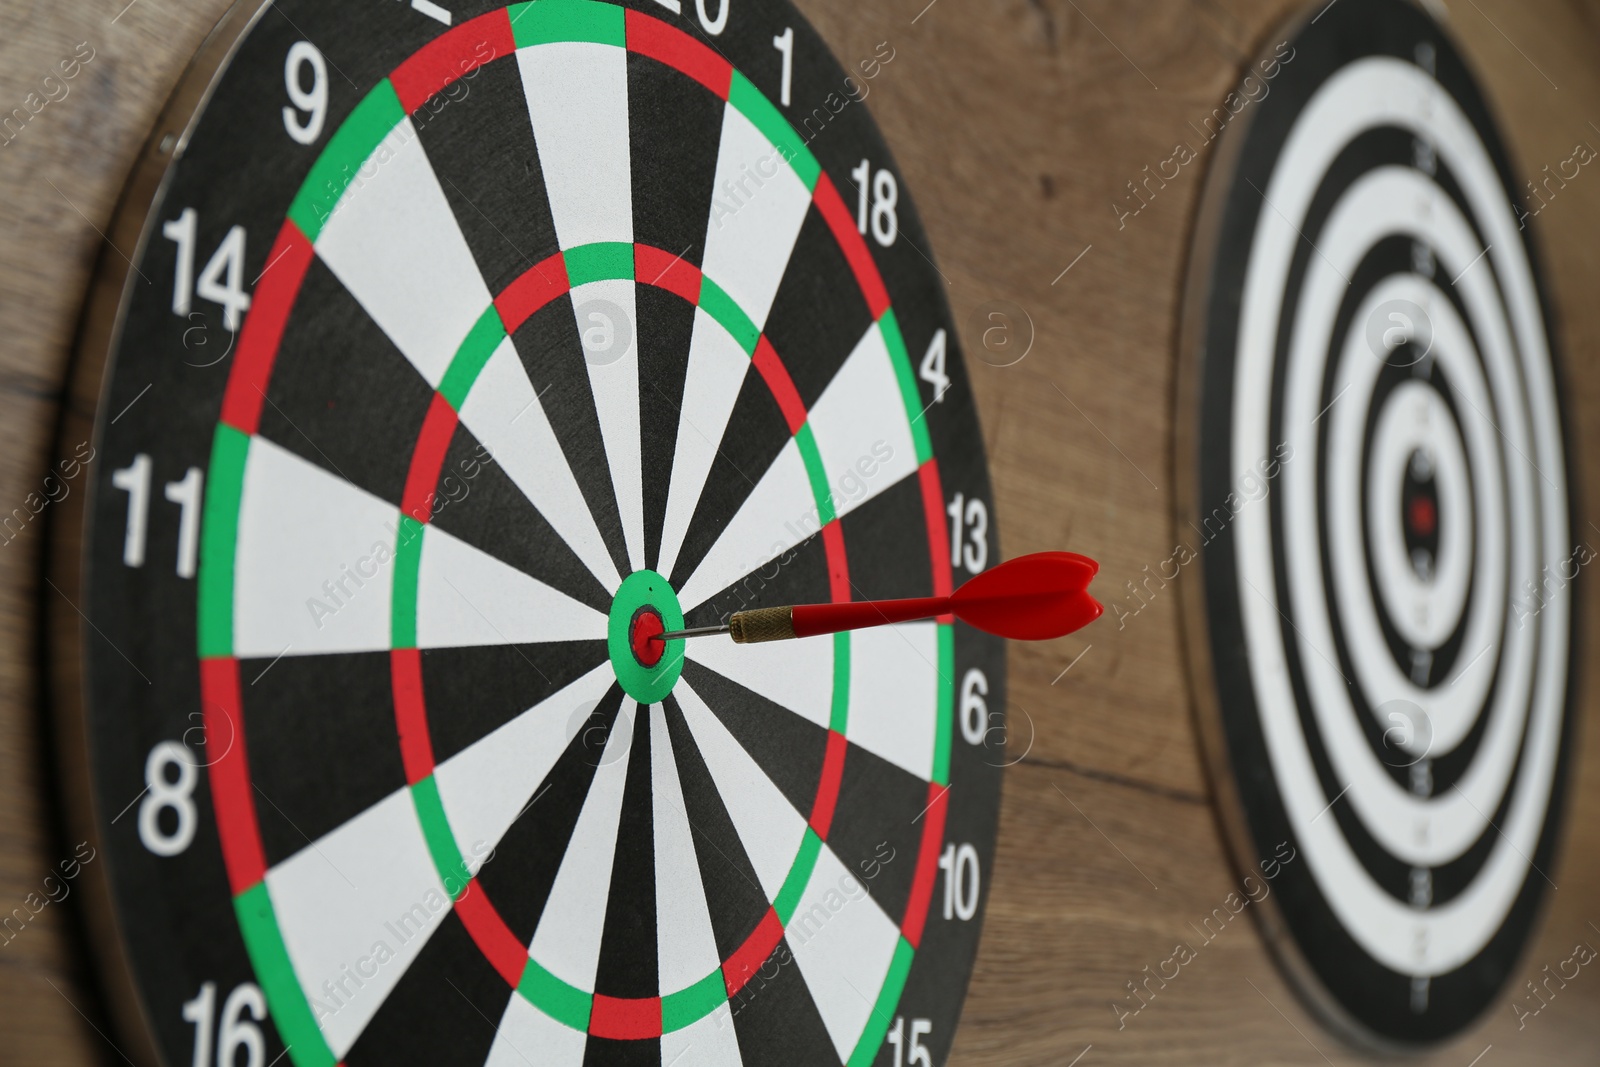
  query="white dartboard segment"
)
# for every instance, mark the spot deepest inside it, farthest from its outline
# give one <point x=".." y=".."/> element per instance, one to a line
<point x="779" y="513"/>
<point x="608" y="330"/>
<point x="364" y="898"/>
<point x="504" y="412"/>
<point x="467" y="597"/>
<point x="861" y="432"/>
<point x="495" y="781"/>
<point x="306" y="538"/>
<point x="758" y="205"/>
<point x="768" y="825"/>
<point x="567" y="942"/>
<point x="717" y="369"/>
<point x="577" y="95"/>
<point x="417" y="281"/>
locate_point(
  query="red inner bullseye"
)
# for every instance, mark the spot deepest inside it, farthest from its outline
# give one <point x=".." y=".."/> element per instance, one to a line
<point x="1423" y="516"/>
<point x="644" y="636"/>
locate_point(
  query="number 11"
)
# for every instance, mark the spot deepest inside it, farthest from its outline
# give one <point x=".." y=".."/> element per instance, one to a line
<point x="134" y="479"/>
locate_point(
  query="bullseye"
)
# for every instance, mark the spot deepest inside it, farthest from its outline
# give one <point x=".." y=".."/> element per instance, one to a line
<point x="644" y="636"/>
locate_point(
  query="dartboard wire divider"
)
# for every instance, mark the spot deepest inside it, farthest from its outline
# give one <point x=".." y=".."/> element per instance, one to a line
<point x="1192" y="507"/>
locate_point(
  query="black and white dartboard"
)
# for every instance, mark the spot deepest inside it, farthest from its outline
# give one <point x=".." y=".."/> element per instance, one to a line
<point x="455" y="340"/>
<point x="1376" y="483"/>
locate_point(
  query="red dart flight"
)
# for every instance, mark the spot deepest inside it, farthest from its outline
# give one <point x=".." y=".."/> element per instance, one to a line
<point x="1030" y="598"/>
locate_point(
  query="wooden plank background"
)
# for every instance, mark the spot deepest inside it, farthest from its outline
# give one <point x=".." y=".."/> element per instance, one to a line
<point x="1016" y="124"/>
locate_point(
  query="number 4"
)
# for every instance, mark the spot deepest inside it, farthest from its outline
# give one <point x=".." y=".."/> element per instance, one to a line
<point x="933" y="367"/>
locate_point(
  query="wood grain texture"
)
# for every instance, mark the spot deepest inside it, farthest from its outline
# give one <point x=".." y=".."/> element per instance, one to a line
<point x="1016" y="124"/>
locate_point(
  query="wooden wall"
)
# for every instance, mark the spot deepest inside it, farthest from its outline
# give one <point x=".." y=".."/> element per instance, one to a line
<point x="1016" y="124"/>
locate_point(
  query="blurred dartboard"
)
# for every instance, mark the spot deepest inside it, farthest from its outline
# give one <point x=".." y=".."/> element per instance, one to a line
<point x="1376" y="482"/>
<point x="459" y="339"/>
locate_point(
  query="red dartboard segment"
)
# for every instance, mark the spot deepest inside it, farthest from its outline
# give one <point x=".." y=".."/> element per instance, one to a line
<point x="488" y="930"/>
<point x="625" y="1018"/>
<point x="651" y="37"/>
<point x="938" y="534"/>
<point x="738" y="968"/>
<point x="828" y="787"/>
<point x="653" y="266"/>
<point x="262" y="332"/>
<point x="233" y="798"/>
<point x="428" y="460"/>
<point x="927" y="863"/>
<point x="533" y="289"/>
<point x="851" y="243"/>
<point x="453" y="55"/>
<point x="778" y="381"/>
<point x="410" y="714"/>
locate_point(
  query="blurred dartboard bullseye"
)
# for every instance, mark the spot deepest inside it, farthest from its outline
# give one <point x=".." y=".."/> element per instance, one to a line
<point x="1383" y="644"/>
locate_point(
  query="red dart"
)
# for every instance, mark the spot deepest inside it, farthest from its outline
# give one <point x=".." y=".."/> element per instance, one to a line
<point x="1030" y="598"/>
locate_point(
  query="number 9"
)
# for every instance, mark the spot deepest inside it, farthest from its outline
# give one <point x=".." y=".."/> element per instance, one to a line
<point x="314" y="102"/>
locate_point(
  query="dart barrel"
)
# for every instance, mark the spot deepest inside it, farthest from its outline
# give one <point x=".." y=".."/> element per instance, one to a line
<point x="761" y="624"/>
<point x="1211" y="846"/>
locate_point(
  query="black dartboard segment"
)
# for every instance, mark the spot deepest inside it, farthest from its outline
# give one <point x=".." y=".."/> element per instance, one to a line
<point x="460" y="336"/>
<point x="1378" y="481"/>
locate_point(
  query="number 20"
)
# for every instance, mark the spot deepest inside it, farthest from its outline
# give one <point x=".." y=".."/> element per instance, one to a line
<point x="713" y="26"/>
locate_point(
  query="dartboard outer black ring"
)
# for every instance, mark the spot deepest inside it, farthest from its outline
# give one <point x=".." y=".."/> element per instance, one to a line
<point x="162" y="667"/>
<point x="1272" y="614"/>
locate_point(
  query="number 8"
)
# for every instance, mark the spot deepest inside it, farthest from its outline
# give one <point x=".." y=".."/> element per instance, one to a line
<point x="885" y="198"/>
<point x="160" y="793"/>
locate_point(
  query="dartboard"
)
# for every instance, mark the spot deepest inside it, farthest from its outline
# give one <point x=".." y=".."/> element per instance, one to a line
<point x="1377" y="493"/>
<point x="464" y="348"/>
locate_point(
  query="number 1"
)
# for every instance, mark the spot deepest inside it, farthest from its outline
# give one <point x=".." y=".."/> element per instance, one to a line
<point x="181" y="230"/>
<point x="784" y="43"/>
<point x="186" y="494"/>
<point x="199" y="1011"/>
<point x="134" y="479"/>
<point x="862" y="176"/>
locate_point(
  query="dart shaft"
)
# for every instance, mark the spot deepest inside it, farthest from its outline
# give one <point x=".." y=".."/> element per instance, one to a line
<point x="810" y="620"/>
<point x="693" y="631"/>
